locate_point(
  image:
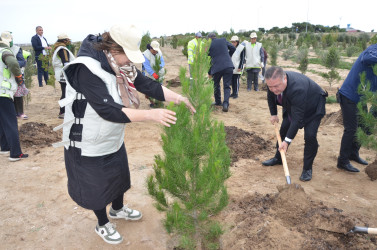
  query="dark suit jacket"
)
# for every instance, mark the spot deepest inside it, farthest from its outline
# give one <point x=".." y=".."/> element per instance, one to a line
<point x="303" y="101"/>
<point x="37" y="45"/>
<point x="220" y="52"/>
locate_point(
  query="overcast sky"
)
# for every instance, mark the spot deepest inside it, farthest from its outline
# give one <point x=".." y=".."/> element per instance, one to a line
<point x="166" y="17"/>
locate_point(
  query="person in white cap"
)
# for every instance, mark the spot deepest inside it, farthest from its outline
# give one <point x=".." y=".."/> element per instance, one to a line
<point x="238" y="59"/>
<point x="60" y="58"/>
<point x="10" y="78"/>
<point x="151" y="54"/>
<point x="101" y="90"/>
<point x="254" y="60"/>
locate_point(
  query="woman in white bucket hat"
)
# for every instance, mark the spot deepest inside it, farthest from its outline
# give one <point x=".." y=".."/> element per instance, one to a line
<point x="101" y="88"/>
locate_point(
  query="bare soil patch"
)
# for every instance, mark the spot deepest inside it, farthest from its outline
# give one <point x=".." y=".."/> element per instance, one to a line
<point x="244" y="144"/>
<point x="289" y="219"/>
<point x="38" y="134"/>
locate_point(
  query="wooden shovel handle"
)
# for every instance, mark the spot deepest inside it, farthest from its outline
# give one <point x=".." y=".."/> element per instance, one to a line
<point x="282" y="153"/>
<point x="366" y="230"/>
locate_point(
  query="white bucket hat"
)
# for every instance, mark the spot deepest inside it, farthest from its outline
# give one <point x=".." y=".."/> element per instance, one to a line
<point x="62" y="36"/>
<point x="253" y="35"/>
<point x="155" y="45"/>
<point x="234" y="39"/>
<point x="129" y="38"/>
<point x="6" y="37"/>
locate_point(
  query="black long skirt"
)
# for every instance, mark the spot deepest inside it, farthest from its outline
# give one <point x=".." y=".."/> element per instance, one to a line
<point x="94" y="182"/>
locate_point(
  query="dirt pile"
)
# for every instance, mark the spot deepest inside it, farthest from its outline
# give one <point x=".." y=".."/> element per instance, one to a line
<point x="333" y="118"/>
<point x="244" y="144"/>
<point x="38" y="134"/>
<point x="371" y="170"/>
<point x="291" y="220"/>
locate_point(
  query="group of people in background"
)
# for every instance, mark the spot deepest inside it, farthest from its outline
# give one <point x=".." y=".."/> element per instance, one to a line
<point x="99" y="89"/>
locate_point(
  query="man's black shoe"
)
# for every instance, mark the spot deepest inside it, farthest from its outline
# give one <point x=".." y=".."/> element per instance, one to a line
<point x="272" y="162"/>
<point x="306" y="175"/>
<point x="358" y="160"/>
<point x="348" y="167"/>
<point x="235" y="96"/>
<point x="232" y="95"/>
<point x="225" y="107"/>
<point x="216" y="104"/>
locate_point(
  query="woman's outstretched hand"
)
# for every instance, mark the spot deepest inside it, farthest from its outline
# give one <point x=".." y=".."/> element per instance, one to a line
<point x="163" y="116"/>
<point x="187" y="102"/>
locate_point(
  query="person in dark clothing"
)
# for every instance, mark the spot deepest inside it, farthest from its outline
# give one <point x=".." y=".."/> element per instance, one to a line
<point x="220" y="52"/>
<point x="238" y="59"/>
<point x="303" y="103"/>
<point x="349" y="98"/>
<point x="61" y="57"/>
<point x="40" y="46"/>
<point x="101" y="88"/>
<point x="264" y="63"/>
<point x="21" y="90"/>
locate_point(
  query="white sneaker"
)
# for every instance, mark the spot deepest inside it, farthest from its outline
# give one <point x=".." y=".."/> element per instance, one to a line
<point x="125" y="213"/>
<point x="108" y="233"/>
<point x="4" y="152"/>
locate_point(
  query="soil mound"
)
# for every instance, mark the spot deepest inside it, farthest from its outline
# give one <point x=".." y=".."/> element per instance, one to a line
<point x="333" y="118"/>
<point x="38" y="134"/>
<point x="291" y="220"/>
<point x="175" y="82"/>
<point x="371" y="170"/>
<point x="244" y="144"/>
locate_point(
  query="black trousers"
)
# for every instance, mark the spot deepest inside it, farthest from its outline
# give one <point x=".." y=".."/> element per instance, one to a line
<point x="349" y="145"/>
<point x="235" y="84"/>
<point x="252" y="78"/>
<point x="226" y="74"/>
<point x="101" y="213"/>
<point x="9" y="137"/>
<point x="41" y="72"/>
<point x="63" y="85"/>
<point x="19" y="105"/>
<point x="310" y="137"/>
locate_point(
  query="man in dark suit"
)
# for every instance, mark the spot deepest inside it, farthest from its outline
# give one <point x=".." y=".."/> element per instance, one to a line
<point x="220" y="52"/>
<point x="303" y="103"/>
<point x="40" y="46"/>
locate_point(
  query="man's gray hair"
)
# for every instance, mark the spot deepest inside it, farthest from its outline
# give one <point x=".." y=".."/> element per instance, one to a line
<point x="36" y="28"/>
<point x="274" y="72"/>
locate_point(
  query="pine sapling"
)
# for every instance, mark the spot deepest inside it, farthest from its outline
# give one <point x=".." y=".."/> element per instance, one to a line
<point x="188" y="181"/>
<point x="302" y="58"/>
<point x="332" y="60"/>
<point x="367" y="108"/>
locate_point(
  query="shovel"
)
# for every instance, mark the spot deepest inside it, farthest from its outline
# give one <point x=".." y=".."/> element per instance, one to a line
<point x="282" y="153"/>
<point x="365" y="230"/>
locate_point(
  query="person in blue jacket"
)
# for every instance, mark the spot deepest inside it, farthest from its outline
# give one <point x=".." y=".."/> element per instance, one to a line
<point x="220" y="52"/>
<point x="348" y="99"/>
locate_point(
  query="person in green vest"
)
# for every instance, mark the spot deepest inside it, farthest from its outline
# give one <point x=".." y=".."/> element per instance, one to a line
<point x="10" y="78"/>
<point x="191" y="49"/>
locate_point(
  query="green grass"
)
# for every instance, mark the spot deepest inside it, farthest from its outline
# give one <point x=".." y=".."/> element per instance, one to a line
<point x="331" y="100"/>
<point x="342" y="64"/>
